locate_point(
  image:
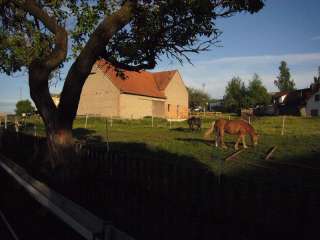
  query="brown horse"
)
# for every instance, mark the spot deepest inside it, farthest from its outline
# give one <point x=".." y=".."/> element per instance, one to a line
<point x="234" y="127"/>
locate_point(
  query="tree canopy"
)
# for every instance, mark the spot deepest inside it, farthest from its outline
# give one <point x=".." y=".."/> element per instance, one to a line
<point x="24" y="106"/>
<point x="238" y="96"/>
<point x="284" y="81"/>
<point x="197" y="98"/>
<point x="133" y="34"/>
<point x="235" y="96"/>
<point x="257" y="93"/>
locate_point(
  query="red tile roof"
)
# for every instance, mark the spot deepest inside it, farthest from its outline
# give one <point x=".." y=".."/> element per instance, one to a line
<point x="163" y="78"/>
<point x="140" y="83"/>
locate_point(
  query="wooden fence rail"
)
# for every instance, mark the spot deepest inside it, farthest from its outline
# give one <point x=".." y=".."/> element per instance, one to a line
<point x="81" y="220"/>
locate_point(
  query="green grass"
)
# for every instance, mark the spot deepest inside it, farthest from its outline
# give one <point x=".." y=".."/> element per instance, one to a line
<point x="300" y="144"/>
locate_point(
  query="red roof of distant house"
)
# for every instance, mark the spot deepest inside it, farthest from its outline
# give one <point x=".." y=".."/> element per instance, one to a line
<point x="163" y="78"/>
<point x="140" y="83"/>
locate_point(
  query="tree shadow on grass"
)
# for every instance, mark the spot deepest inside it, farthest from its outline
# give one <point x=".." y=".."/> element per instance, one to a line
<point x="182" y="129"/>
<point x="139" y="184"/>
<point x="208" y="142"/>
<point x="88" y="136"/>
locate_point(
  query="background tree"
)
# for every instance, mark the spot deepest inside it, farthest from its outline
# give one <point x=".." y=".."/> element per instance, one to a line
<point x="24" y="106"/>
<point x="130" y="34"/>
<point x="316" y="79"/>
<point x="284" y="81"/>
<point x="257" y="93"/>
<point x="197" y="98"/>
<point x="236" y="96"/>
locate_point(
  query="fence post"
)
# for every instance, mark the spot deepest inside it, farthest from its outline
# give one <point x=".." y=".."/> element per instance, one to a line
<point x="283" y="121"/>
<point x="85" y="125"/>
<point x="35" y="130"/>
<point x="107" y="135"/>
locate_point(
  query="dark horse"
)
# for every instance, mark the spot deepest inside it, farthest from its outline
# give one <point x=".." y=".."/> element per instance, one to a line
<point x="194" y="123"/>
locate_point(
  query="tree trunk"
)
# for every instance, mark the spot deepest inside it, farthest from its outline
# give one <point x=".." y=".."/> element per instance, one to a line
<point x="58" y="120"/>
<point x="60" y="147"/>
<point x="58" y="128"/>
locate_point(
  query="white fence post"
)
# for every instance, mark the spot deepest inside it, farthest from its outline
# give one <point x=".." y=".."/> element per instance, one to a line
<point x="85" y="125"/>
<point x="283" y="122"/>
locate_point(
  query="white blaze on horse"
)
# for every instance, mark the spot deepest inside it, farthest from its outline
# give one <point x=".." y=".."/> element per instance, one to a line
<point x="233" y="127"/>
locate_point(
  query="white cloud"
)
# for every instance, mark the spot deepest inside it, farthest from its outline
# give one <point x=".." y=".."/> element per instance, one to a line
<point x="265" y="59"/>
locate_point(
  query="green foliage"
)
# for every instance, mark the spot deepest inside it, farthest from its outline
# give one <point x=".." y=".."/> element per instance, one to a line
<point x="24" y="106"/>
<point x="257" y="93"/>
<point x="235" y="96"/>
<point x="238" y="96"/>
<point x="197" y="98"/>
<point x="173" y="28"/>
<point x="284" y="82"/>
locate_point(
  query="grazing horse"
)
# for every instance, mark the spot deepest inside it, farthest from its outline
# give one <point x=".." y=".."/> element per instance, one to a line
<point x="234" y="127"/>
<point x="194" y="122"/>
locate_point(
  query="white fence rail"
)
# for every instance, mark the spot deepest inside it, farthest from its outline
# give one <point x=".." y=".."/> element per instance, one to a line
<point x="81" y="220"/>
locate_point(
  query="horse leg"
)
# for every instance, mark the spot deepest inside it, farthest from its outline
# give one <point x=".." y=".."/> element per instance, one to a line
<point x="223" y="145"/>
<point x="244" y="141"/>
<point x="217" y="137"/>
<point x="236" y="146"/>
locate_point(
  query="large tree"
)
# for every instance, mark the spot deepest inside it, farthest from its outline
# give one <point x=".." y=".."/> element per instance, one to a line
<point x="236" y="96"/>
<point x="197" y="98"/>
<point x="284" y="81"/>
<point x="130" y="34"/>
<point x="258" y="93"/>
<point x="24" y="106"/>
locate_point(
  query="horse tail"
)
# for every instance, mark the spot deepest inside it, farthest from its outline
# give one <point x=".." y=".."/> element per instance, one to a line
<point x="209" y="131"/>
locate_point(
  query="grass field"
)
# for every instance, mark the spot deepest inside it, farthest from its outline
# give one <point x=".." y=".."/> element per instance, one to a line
<point x="298" y="147"/>
<point x="275" y="197"/>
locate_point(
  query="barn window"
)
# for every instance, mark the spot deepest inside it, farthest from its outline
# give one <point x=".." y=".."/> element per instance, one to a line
<point x="317" y="98"/>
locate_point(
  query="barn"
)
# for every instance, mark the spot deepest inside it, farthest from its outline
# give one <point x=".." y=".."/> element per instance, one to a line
<point x="136" y="95"/>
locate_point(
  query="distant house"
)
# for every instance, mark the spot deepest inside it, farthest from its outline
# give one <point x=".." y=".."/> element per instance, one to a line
<point x="136" y="95"/>
<point x="297" y="102"/>
<point x="313" y="103"/>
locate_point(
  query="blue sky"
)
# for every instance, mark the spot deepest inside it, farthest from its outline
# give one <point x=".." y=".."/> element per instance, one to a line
<point x="284" y="30"/>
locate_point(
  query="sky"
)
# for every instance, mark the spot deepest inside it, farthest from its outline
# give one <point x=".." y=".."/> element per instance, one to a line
<point x="286" y="30"/>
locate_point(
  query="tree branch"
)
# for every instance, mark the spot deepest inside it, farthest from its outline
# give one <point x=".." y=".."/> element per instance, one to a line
<point x="59" y="52"/>
<point x="94" y="48"/>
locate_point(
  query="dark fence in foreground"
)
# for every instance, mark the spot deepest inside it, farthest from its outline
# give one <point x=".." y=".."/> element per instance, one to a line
<point x="155" y="199"/>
